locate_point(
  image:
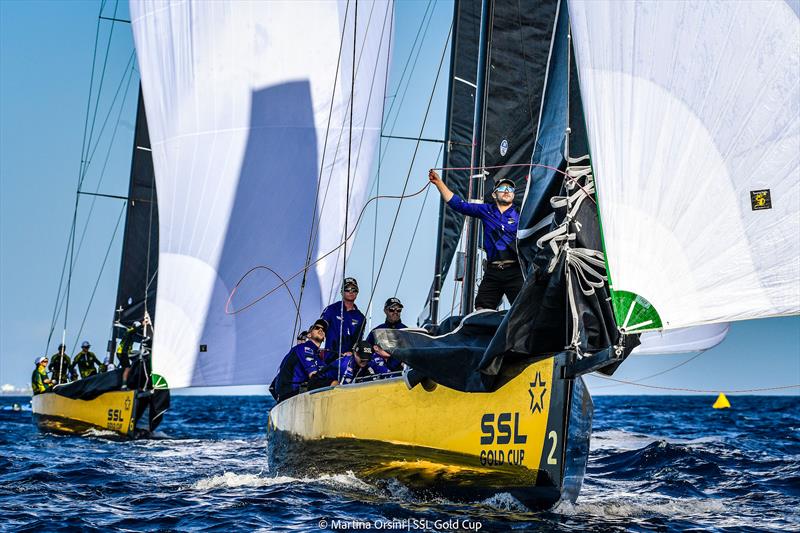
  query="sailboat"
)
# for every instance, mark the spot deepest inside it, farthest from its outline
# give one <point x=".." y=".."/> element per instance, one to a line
<point x="263" y="127"/>
<point x="127" y="404"/>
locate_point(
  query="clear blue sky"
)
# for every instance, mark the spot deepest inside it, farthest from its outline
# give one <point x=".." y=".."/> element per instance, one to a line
<point x="45" y="63"/>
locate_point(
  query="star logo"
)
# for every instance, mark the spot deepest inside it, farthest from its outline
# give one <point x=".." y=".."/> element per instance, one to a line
<point x="127" y="404"/>
<point x="537" y="395"/>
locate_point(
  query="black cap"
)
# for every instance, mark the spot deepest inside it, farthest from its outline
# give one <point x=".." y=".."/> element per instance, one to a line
<point x="350" y="282"/>
<point x="393" y="301"/>
<point x="363" y="349"/>
<point x="320" y="322"/>
<point x="504" y="180"/>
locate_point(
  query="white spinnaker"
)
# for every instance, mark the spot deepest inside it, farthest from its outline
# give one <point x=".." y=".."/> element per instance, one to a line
<point x="691" y="106"/>
<point x="238" y="98"/>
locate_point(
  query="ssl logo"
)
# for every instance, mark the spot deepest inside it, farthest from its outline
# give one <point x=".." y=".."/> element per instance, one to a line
<point x="503" y="431"/>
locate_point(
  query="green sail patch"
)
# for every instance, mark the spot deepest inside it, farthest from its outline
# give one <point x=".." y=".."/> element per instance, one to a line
<point x="634" y="313"/>
<point x="159" y="382"/>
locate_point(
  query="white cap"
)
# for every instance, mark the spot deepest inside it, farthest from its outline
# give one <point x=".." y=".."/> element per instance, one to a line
<point x="40" y="360"/>
<point x="85" y="344"/>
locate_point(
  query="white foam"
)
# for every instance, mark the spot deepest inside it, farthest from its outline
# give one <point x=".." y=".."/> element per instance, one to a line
<point x="233" y="480"/>
<point x="95" y="432"/>
<point x="631" y="505"/>
<point x="505" y="502"/>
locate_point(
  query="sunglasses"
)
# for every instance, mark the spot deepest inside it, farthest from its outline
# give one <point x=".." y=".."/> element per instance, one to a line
<point x="318" y="327"/>
<point x="351" y="290"/>
<point x="395" y="309"/>
<point x="505" y="188"/>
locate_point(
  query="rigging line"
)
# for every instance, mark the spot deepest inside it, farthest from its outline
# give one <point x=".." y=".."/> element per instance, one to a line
<point x="670" y="369"/>
<point x="99" y="276"/>
<point x="312" y="233"/>
<point x="369" y="98"/>
<point x="414" y="233"/>
<point x="97" y="100"/>
<point x="54" y="318"/>
<point x="709" y="391"/>
<point x="380" y="148"/>
<point x="228" y="311"/>
<point x="423" y="139"/>
<point x="126" y="73"/>
<point x="408" y="59"/>
<point x="410" y="76"/>
<point x="347" y="189"/>
<point x="59" y="295"/>
<point x="411" y="165"/>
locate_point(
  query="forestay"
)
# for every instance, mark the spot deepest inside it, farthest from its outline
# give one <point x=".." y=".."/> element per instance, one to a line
<point x="248" y="108"/>
<point x="693" y="118"/>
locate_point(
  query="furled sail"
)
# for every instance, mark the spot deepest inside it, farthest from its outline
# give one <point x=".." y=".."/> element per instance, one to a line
<point x="519" y="45"/>
<point x="693" y="118"/>
<point x="138" y="273"/>
<point x="249" y="108"/>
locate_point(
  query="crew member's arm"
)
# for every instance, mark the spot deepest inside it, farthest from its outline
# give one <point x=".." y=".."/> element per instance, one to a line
<point x="453" y="200"/>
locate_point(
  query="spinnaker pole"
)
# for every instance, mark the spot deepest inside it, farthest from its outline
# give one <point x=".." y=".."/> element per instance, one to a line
<point x="476" y="161"/>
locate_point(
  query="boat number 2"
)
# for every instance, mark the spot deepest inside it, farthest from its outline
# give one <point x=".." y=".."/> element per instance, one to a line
<point x="114" y="415"/>
<point x="551" y="458"/>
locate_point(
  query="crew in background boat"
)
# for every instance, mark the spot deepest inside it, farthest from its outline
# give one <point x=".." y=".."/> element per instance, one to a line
<point x="86" y="361"/>
<point x="503" y="274"/>
<point x="60" y="366"/>
<point x="361" y="365"/>
<point x="302" y="366"/>
<point x="345" y="319"/>
<point x="392" y="309"/>
<point x="39" y="381"/>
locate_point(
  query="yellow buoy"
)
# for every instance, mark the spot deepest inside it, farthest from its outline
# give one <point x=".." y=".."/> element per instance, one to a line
<point x="722" y="402"/>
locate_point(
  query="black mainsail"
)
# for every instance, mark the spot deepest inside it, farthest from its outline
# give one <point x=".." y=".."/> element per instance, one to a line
<point x="138" y="273"/>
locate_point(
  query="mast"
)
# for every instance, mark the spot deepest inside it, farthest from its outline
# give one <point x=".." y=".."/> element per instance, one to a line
<point x="476" y="163"/>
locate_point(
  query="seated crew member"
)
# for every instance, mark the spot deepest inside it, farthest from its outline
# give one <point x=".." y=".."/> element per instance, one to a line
<point x="60" y="366"/>
<point x="503" y="274"/>
<point x="39" y="381"/>
<point x="361" y="365"/>
<point x="86" y="361"/>
<point x="392" y="308"/>
<point x="302" y="365"/>
<point x="346" y="320"/>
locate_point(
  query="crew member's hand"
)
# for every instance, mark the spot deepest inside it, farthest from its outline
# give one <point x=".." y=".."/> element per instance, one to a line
<point x="347" y="353"/>
<point x="334" y="383"/>
<point x="314" y="373"/>
<point x="433" y="177"/>
<point x="380" y="351"/>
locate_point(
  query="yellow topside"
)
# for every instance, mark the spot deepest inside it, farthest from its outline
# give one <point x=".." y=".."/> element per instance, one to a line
<point x="443" y="419"/>
<point x="111" y="410"/>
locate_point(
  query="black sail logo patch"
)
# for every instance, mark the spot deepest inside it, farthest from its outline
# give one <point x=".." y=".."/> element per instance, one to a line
<point x="760" y="200"/>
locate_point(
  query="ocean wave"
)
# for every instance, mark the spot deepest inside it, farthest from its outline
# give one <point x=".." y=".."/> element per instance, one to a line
<point x="624" y="440"/>
<point x="234" y="480"/>
<point x="627" y="506"/>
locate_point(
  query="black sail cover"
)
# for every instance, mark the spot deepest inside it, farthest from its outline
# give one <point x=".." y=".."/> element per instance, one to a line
<point x="540" y="322"/>
<point x="520" y="41"/>
<point x="137" y="278"/>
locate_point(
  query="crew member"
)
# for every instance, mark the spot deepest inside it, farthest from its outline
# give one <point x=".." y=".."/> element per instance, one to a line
<point x="392" y="308"/>
<point x="86" y="361"/>
<point x="60" y="366"/>
<point x="500" y="219"/>
<point x="346" y="320"/>
<point x="361" y="365"/>
<point x="39" y="381"/>
<point x="126" y="344"/>
<point x="302" y="365"/>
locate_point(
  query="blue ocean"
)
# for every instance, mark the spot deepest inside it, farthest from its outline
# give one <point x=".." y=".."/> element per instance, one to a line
<point x="657" y="463"/>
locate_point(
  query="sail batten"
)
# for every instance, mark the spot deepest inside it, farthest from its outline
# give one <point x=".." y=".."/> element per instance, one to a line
<point x="693" y="118"/>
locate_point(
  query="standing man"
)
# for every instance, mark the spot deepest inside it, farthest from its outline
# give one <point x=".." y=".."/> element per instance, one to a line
<point x="302" y="365"/>
<point x="503" y="274"/>
<point x="126" y="344"/>
<point x="392" y="308"/>
<point x="346" y="320"/>
<point x="86" y="361"/>
<point x="60" y="366"/>
<point x="39" y="381"/>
